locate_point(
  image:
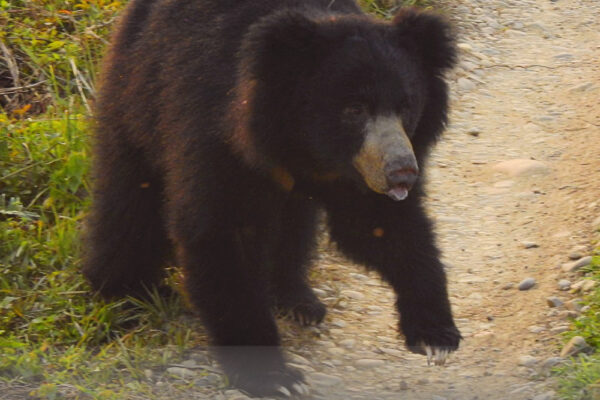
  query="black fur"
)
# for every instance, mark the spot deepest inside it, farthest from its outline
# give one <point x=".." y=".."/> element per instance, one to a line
<point x="221" y="131"/>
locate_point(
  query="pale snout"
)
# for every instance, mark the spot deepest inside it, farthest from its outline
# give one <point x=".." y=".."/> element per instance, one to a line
<point x="386" y="159"/>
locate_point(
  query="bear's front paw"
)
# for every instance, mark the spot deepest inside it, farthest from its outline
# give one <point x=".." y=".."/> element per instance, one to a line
<point x="284" y="382"/>
<point x="303" y="306"/>
<point x="437" y="342"/>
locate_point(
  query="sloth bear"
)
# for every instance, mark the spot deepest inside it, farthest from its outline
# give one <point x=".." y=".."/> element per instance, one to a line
<point x="224" y="126"/>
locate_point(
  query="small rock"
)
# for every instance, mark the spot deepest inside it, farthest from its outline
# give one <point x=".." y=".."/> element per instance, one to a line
<point x="189" y="364"/>
<point x="235" y="395"/>
<point x="527" y="284"/>
<point x="527" y="361"/>
<point x="369" y="363"/>
<point x="564" y="284"/>
<point x="339" y="323"/>
<point x="560" y="329"/>
<point x="391" y="352"/>
<point x="575" y="346"/>
<point x="348" y="343"/>
<point x="529" y="245"/>
<point x="545" y="396"/>
<point x="575" y="265"/>
<point x="585" y="87"/>
<point x="552" y="362"/>
<point x="181" y="372"/>
<point x="464" y="46"/>
<point x="573" y="305"/>
<point x="585" y="309"/>
<point x="473" y="132"/>
<point x="554" y="301"/>
<point x="403" y="385"/>
<point x="353" y="294"/>
<point x="536" y="329"/>
<point x="320" y="292"/>
<point x="588" y="285"/>
<point x="423" y="381"/>
<point x="519" y="167"/>
<point x="465" y="84"/>
<point x="336" y="351"/>
<point x="566" y="315"/>
<point x="575" y="255"/>
<point x="508" y="286"/>
<point x="298" y="359"/>
<point x="322" y="379"/>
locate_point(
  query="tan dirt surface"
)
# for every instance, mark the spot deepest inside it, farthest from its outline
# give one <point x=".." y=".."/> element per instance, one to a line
<point x="513" y="188"/>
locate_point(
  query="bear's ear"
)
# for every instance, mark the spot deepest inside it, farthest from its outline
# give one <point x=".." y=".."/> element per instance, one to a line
<point x="427" y="34"/>
<point x="284" y="42"/>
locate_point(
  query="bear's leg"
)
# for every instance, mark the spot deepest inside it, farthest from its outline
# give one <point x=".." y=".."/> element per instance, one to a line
<point x="295" y="245"/>
<point x="126" y="240"/>
<point x="229" y="290"/>
<point x="396" y="239"/>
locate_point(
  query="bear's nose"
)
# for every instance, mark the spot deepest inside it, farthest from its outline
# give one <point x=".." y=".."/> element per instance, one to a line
<point x="402" y="177"/>
<point x="401" y="173"/>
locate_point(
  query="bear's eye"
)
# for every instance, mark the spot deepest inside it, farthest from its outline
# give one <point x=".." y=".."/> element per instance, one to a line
<point x="355" y="110"/>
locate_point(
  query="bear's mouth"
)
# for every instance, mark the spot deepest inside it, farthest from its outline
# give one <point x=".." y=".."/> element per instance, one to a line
<point x="398" y="192"/>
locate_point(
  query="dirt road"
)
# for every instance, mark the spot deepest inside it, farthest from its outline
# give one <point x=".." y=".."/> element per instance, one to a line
<point x="513" y="187"/>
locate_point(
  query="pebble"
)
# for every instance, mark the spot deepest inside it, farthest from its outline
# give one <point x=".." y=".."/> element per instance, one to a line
<point x="552" y="362"/>
<point x="369" y="363"/>
<point x="577" y="286"/>
<point x="585" y="87"/>
<point x="521" y="167"/>
<point x="536" y="329"/>
<point x="353" y="294"/>
<point x="348" y="343"/>
<point x="564" y="284"/>
<point x="575" y="346"/>
<point x="560" y="329"/>
<point x="527" y="361"/>
<point x="181" y="372"/>
<point x="473" y="131"/>
<point x="527" y="284"/>
<point x="235" y="395"/>
<point x="320" y="292"/>
<point x="321" y="379"/>
<point x="392" y="352"/>
<point x="298" y="359"/>
<point x="596" y="224"/>
<point x="573" y="305"/>
<point x="575" y="255"/>
<point x="339" y="323"/>
<point x="576" y="265"/>
<point x="403" y="385"/>
<point x="588" y="285"/>
<point x="508" y="286"/>
<point x="554" y="301"/>
<point x="545" y="396"/>
<point x="466" y="84"/>
<point x="529" y="245"/>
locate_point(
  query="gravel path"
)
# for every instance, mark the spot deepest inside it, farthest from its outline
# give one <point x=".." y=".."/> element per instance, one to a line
<point x="513" y="188"/>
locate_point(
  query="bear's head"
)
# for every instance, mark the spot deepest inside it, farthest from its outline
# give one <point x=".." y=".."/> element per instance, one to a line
<point x="343" y="96"/>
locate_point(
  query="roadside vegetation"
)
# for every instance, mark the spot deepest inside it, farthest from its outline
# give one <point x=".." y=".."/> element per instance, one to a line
<point x="580" y="378"/>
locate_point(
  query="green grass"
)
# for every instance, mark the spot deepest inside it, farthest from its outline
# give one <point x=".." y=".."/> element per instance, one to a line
<point x="56" y="339"/>
<point x="580" y="379"/>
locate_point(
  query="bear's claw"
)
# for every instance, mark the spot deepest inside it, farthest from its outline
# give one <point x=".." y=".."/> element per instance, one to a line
<point x="436" y="354"/>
